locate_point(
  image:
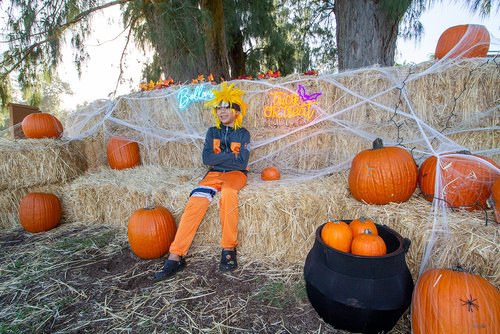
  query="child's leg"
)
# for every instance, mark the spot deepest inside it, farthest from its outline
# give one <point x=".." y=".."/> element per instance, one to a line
<point x="231" y="185"/>
<point x="194" y="212"/>
<point x="190" y="221"/>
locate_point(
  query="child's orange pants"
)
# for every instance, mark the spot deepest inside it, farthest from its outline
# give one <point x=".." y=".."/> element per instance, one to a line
<point x="229" y="184"/>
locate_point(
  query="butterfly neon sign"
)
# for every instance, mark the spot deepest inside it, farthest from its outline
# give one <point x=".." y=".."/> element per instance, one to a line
<point x="307" y="97"/>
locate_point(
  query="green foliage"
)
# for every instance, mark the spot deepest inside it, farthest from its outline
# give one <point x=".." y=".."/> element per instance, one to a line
<point x="311" y="26"/>
<point x="289" y="35"/>
<point x="173" y="29"/>
<point x="34" y="34"/>
<point x="264" y="41"/>
<point x="72" y="244"/>
<point x="280" y="294"/>
<point x="483" y="7"/>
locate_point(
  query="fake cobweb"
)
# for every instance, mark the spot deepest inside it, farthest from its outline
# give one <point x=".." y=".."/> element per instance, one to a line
<point x="312" y="126"/>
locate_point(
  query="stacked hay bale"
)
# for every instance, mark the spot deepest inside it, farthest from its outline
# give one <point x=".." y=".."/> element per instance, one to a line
<point x="281" y="218"/>
<point x="412" y="106"/>
<point x="35" y="165"/>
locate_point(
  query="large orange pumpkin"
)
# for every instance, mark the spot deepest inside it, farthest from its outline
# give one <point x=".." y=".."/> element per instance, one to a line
<point x="41" y="125"/>
<point x="466" y="179"/>
<point x="359" y="225"/>
<point x="151" y="231"/>
<point x="368" y="244"/>
<point x="468" y="41"/>
<point x="270" y="173"/>
<point x="39" y="212"/>
<point x="448" y="301"/>
<point x="122" y="153"/>
<point x="495" y="199"/>
<point x="338" y="235"/>
<point x="383" y="174"/>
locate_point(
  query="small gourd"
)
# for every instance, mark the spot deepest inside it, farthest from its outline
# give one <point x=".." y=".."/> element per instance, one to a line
<point x="358" y="226"/>
<point x="338" y="235"/>
<point x="270" y="173"/>
<point x="368" y="244"/>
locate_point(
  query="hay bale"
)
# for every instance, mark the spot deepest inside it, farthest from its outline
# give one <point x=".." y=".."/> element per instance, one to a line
<point x="36" y="162"/>
<point x="94" y="151"/>
<point x="280" y="218"/>
<point x="10" y="199"/>
<point x="111" y="196"/>
<point x="412" y="106"/>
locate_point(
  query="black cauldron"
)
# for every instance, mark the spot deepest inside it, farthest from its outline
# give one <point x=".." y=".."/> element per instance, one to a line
<point x="359" y="293"/>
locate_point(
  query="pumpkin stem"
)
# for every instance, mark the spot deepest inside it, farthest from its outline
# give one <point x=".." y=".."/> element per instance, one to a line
<point x="367" y="231"/>
<point x="466" y="152"/>
<point x="458" y="267"/>
<point x="378" y="144"/>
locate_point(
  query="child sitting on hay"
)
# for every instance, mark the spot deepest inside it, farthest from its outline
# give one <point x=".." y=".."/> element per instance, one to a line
<point x="226" y="152"/>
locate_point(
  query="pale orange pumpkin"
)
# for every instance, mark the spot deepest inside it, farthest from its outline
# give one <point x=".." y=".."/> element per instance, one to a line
<point x="358" y="226"/>
<point x="122" y="153"/>
<point x="466" y="179"/>
<point x="151" y="231"/>
<point x="41" y="125"/>
<point x="449" y="301"/>
<point x="468" y="41"/>
<point x="270" y="173"/>
<point x="368" y="244"/>
<point x="39" y="212"/>
<point x="383" y="174"/>
<point x="338" y="235"/>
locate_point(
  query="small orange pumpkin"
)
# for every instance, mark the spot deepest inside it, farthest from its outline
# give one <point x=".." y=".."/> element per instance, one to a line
<point x="151" y="231"/>
<point x="368" y="244"/>
<point x="270" y="173"/>
<point x="383" y="174"/>
<point x="449" y="301"/>
<point x="39" y="212"/>
<point x="468" y="41"/>
<point x="338" y="235"/>
<point x="122" y="153"/>
<point x="358" y="226"/>
<point x="466" y="179"/>
<point x="41" y="125"/>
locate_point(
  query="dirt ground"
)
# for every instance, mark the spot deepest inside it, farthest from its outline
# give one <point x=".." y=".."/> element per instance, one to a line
<point x="85" y="279"/>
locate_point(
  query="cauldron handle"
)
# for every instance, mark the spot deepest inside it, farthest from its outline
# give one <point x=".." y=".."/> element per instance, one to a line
<point x="406" y="244"/>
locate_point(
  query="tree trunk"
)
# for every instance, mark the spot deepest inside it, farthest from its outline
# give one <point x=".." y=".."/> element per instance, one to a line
<point x="366" y="32"/>
<point x="215" y="39"/>
<point x="237" y="55"/>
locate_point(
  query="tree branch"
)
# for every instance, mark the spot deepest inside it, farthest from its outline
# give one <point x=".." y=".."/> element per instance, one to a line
<point x="55" y="35"/>
<point x="132" y="24"/>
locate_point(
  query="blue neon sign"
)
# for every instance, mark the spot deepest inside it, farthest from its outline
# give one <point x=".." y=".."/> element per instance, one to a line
<point x="187" y="95"/>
